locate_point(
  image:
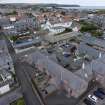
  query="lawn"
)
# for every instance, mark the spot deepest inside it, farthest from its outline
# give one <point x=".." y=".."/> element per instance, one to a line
<point x="18" y="102"/>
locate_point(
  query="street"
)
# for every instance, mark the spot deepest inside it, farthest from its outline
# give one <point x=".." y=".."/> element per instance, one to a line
<point x="28" y="93"/>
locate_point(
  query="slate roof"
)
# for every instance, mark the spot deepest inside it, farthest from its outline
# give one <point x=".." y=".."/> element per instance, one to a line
<point x="94" y="41"/>
<point x="91" y="52"/>
<point x="98" y="65"/>
<point x="86" y="72"/>
<point x="4" y="54"/>
<point x="76" y="83"/>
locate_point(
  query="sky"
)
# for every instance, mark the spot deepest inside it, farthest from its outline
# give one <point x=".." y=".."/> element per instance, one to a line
<point x="79" y="2"/>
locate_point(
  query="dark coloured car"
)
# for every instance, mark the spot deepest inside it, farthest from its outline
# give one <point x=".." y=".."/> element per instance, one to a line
<point x="18" y="42"/>
<point x="66" y="55"/>
<point x="88" y="102"/>
<point x="99" y="94"/>
<point x="101" y="90"/>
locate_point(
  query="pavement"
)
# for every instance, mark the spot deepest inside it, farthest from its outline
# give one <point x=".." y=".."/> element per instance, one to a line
<point x="10" y="97"/>
<point x="59" y="98"/>
<point x="23" y="50"/>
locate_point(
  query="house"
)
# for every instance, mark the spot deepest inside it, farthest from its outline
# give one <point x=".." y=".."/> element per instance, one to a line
<point x="5" y="58"/>
<point x="6" y="68"/>
<point x="98" y="67"/>
<point x="86" y="73"/>
<point x="99" y="20"/>
<point x="94" y="70"/>
<point x="6" y="81"/>
<point x="25" y="41"/>
<point x="56" y="24"/>
<point x="4" y="21"/>
<point x="75" y="26"/>
<point x="56" y="30"/>
<point x="22" y="24"/>
<point x="58" y="38"/>
<point x="25" y="23"/>
<point x="89" y="51"/>
<point x="93" y="41"/>
<point x="73" y="84"/>
<point x="22" y="44"/>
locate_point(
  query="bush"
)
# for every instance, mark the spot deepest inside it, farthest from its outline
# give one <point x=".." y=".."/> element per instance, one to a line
<point x="97" y="33"/>
<point x="13" y="38"/>
<point x="18" y="102"/>
<point x="21" y="102"/>
<point x="68" y="30"/>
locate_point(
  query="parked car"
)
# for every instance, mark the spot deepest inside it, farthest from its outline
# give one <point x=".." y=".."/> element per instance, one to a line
<point x="65" y="45"/>
<point x="101" y="90"/>
<point x="99" y="94"/>
<point x="66" y="55"/>
<point x="93" y="98"/>
<point x="88" y="102"/>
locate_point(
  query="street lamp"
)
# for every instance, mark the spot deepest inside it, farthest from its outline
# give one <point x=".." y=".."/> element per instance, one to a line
<point x="83" y="67"/>
<point x="61" y="75"/>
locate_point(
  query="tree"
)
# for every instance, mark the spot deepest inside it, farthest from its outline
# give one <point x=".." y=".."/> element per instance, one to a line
<point x="42" y="10"/>
<point x="14" y="12"/>
<point x="88" y="28"/>
<point x="63" y="13"/>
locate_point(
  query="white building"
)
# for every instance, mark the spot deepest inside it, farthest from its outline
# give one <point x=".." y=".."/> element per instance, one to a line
<point x="56" y="27"/>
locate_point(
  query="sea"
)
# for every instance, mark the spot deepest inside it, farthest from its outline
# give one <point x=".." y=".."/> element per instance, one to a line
<point x="86" y="7"/>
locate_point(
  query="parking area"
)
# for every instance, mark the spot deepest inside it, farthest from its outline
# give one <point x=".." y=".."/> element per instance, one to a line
<point x="95" y="96"/>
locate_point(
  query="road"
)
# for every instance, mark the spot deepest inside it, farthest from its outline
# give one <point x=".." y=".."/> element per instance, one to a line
<point x="25" y="81"/>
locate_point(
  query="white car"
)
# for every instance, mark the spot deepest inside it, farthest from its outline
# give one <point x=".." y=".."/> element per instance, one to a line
<point x="93" y="98"/>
